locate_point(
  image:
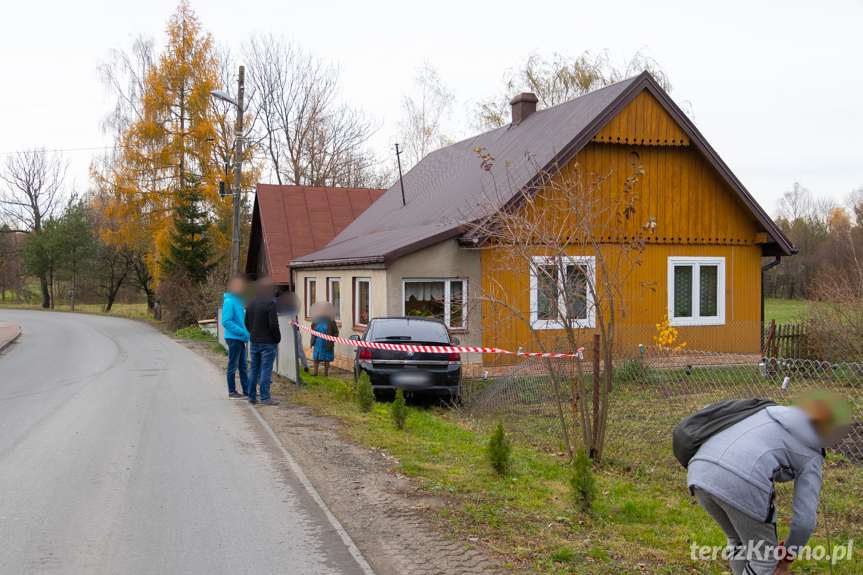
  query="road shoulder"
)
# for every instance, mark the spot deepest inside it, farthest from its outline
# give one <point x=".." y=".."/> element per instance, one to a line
<point x="390" y="518"/>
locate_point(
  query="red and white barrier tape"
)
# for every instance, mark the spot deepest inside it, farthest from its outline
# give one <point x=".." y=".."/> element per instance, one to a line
<point x="431" y="348"/>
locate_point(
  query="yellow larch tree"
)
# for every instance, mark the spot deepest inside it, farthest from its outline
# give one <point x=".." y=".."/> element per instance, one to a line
<point x="177" y="137"/>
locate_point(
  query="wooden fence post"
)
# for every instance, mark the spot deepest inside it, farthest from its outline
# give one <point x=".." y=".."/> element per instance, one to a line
<point x="597" y="382"/>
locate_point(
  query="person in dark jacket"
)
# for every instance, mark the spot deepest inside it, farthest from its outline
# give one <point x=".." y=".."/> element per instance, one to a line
<point x="236" y="336"/>
<point x="732" y="477"/>
<point x="262" y="321"/>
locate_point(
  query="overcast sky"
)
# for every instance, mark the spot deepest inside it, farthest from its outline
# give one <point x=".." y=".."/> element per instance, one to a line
<point x="774" y="86"/>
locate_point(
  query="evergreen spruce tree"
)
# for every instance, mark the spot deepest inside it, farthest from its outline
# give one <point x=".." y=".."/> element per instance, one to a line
<point x="498" y="449"/>
<point x="582" y="482"/>
<point x="190" y="248"/>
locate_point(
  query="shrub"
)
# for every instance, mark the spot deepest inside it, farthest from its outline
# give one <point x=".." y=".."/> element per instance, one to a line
<point x="365" y="393"/>
<point x="179" y="296"/>
<point x="582" y="483"/>
<point x="185" y="302"/>
<point x="194" y="332"/>
<point x="836" y="317"/>
<point x="344" y="390"/>
<point x="498" y="449"/>
<point x="632" y="369"/>
<point x="399" y="410"/>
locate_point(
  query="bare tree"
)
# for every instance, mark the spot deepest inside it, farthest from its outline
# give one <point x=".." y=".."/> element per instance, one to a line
<point x="796" y="204"/>
<point x="560" y="78"/>
<point x="855" y="202"/>
<point x="123" y="75"/>
<point x="33" y="191"/>
<point x="11" y="263"/>
<point x="308" y="134"/>
<point x="571" y="243"/>
<point x="421" y="129"/>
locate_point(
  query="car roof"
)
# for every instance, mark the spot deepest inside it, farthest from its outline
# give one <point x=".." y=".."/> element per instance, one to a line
<point x="409" y="318"/>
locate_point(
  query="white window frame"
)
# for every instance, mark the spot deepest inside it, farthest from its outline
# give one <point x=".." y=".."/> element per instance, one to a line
<point x="330" y="282"/>
<point x="447" y="298"/>
<point x="587" y="262"/>
<point x="307" y="305"/>
<point x="356" y="296"/>
<point x="696" y="263"/>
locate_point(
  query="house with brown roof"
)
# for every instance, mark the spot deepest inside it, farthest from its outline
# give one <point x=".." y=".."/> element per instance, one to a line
<point x="418" y="256"/>
<point x="292" y="221"/>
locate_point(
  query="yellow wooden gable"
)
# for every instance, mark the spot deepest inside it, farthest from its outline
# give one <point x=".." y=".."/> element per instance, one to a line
<point x="643" y="122"/>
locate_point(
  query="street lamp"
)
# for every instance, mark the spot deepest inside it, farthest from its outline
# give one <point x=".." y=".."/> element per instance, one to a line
<point x="238" y="164"/>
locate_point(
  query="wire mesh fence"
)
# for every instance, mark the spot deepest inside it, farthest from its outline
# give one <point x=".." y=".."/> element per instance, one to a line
<point x="654" y="387"/>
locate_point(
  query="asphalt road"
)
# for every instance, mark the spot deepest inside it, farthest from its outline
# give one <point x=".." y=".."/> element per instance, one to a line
<point x="121" y="453"/>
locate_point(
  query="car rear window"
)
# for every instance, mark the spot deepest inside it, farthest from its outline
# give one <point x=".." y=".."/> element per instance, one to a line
<point x="416" y="330"/>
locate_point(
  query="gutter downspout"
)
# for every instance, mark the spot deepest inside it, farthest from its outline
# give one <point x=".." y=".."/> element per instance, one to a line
<point x="765" y="268"/>
<point x="294" y="285"/>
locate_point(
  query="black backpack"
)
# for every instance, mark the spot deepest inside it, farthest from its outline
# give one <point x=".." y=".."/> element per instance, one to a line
<point x="695" y="430"/>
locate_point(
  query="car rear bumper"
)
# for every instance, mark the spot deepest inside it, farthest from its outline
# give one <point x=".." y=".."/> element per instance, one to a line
<point x="440" y="382"/>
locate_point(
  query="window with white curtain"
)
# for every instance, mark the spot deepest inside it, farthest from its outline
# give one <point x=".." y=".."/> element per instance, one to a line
<point x="362" y="300"/>
<point x="334" y="295"/>
<point x="696" y="291"/>
<point x="560" y="292"/>
<point x="311" y="294"/>
<point x="445" y="299"/>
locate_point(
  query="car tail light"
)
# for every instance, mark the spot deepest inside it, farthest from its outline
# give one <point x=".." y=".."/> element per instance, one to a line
<point x="365" y="354"/>
<point x="453" y="356"/>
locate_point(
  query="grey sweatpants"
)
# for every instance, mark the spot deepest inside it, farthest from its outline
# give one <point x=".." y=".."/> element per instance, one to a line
<point x="744" y="534"/>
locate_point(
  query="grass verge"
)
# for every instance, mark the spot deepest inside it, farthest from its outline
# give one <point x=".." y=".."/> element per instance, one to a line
<point x="127" y="310"/>
<point x="641" y="521"/>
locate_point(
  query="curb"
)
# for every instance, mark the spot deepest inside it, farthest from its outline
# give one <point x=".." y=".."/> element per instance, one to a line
<point x="12" y="339"/>
<point x="304" y="480"/>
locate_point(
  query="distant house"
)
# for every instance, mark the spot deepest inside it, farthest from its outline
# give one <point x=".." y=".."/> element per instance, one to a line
<point x="397" y="259"/>
<point x="291" y="221"/>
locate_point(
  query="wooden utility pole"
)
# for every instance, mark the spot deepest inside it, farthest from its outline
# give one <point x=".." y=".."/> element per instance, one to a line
<point x="238" y="174"/>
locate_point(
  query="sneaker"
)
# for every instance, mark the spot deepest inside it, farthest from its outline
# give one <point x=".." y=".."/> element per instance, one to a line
<point x="253" y="401"/>
<point x="270" y="401"/>
<point x="306" y="369"/>
<point x="235" y="395"/>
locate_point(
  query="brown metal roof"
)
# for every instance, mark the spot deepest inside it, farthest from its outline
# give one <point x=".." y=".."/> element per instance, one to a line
<point x="448" y="185"/>
<point x="291" y="221"/>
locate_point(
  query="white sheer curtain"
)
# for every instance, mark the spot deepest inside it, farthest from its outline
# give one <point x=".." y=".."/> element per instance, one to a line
<point x="425" y="291"/>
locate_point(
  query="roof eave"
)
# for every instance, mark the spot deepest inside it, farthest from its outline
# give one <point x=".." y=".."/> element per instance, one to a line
<point x="344" y="262"/>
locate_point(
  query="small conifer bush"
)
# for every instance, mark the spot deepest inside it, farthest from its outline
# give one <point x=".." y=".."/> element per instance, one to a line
<point x="582" y="483"/>
<point x="399" y="410"/>
<point x="365" y="393"/>
<point x="498" y="449"/>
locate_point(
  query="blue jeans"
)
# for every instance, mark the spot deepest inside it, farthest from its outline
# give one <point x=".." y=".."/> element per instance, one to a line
<point x="263" y="355"/>
<point x="237" y="360"/>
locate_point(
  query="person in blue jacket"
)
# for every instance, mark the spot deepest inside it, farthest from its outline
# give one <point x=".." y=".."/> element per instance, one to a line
<point x="236" y="336"/>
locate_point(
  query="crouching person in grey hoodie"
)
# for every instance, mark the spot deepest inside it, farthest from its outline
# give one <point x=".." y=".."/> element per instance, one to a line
<point x="732" y="477"/>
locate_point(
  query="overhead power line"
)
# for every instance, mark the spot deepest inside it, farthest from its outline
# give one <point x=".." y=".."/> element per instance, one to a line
<point x="59" y="150"/>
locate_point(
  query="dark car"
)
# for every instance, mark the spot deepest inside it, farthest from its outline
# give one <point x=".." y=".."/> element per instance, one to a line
<point x="438" y="373"/>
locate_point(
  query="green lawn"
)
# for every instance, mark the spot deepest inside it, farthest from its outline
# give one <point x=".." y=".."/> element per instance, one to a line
<point x="784" y="310"/>
<point x="643" y="520"/>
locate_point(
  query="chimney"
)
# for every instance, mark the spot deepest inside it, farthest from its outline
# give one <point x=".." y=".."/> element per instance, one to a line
<point x="523" y="106"/>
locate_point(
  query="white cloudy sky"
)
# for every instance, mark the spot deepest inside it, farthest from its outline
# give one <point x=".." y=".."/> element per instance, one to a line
<point x="774" y="86"/>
